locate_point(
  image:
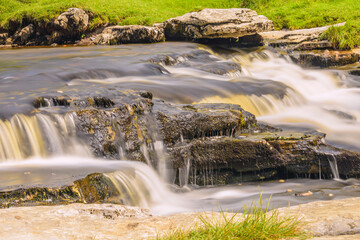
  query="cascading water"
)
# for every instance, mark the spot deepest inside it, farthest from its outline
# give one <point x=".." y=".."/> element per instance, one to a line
<point x="334" y="167"/>
<point x="39" y="135"/>
<point x="320" y="99"/>
<point x="268" y="85"/>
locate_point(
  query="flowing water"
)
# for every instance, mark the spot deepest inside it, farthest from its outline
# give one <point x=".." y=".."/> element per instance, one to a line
<point x="262" y="81"/>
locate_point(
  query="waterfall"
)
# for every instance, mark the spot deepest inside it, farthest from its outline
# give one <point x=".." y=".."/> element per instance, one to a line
<point x="40" y="135"/>
<point x="334" y="167"/>
<point x="142" y="186"/>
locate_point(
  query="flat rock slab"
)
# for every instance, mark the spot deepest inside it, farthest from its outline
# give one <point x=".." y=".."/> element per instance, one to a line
<point x="329" y="218"/>
<point x="294" y="36"/>
<point x="217" y="23"/>
<point x="339" y="219"/>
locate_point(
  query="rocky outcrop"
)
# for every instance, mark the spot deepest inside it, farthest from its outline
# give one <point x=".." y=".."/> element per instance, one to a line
<point x="130" y="34"/>
<point x="70" y="25"/>
<point x="216" y="25"/>
<point x="221" y="140"/>
<point x="286" y="38"/>
<point x="3" y="38"/>
<point x="306" y="47"/>
<point x="23" y="36"/>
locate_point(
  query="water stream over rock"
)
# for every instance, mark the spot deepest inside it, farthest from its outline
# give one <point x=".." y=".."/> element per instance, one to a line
<point x="171" y="106"/>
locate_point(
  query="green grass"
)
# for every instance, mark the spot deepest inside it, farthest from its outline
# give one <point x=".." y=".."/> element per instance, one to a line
<point x="291" y="14"/>
<point x="344" y="38"/>
<point x="122" y="12"/>
<point x="256" y="223"/>
<point x="297" y="14"/>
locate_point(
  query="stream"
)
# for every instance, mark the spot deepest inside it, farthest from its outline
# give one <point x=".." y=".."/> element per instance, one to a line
<point x="39" y="146"/>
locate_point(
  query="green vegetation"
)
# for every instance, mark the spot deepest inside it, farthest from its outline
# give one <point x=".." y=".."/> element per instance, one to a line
<point x="256" y="223"/>
<point x="346" y="37"/>
<point x="291" y="14"/>
<point x="124" y="12"/>
<point x="296" y="14"/>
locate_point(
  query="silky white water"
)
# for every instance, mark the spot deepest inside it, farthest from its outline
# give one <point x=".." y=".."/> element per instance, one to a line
<point x="269" y="85"/>
<point x="324" y="100"/>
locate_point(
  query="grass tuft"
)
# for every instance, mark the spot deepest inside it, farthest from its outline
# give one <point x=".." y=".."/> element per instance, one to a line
<point x="344" y="37"/>
<point x="256" y="223"/>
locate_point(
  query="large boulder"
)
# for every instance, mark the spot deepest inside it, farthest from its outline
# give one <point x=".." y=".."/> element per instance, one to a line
<point x="214" y="24"/>
<point x="130" y="34"/>
<point x="70" y="24"/>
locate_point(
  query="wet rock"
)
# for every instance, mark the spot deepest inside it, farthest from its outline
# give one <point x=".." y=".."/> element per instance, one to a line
<point x="39" y="196"/>
<point x="199" y="59"/>
<point x="216" y="24"/>
<point x="328" y="58"/>
<point x="130" y="34"/>
<point x="355" y="72"/>
<point x="94" y="188"/>
<point x="220" y="137"/>
<point x="70" y="25"/>
<point x="23" y="36"/>
<point x="187" y="122"/>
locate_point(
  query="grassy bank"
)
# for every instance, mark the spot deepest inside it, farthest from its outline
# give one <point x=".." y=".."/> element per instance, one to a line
<point x="255" y="224"/>
<point x="291" y="14"/>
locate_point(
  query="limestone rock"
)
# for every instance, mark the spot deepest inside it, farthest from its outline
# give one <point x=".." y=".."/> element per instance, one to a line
<point x="70" y="24"/>
<point x="328" y="58"/>
<point x="217" y="24"/>
<point x="130" y="34"/>
<point x="285" y="38"/>
<point x="22" y="36"/>
<point x="313" y="45"/>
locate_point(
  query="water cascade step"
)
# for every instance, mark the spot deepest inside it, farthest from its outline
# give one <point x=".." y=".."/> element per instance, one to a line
<point x="39" y="135"/>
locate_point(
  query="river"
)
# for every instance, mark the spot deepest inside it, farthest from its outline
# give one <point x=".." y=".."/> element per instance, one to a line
<point x="39" y="145"/>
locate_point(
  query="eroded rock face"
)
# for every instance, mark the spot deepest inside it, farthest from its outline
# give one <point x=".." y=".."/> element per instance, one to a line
<point x="215" y="24"/>
<point x="130" y="34"/>
<point x="70" y="24"/>
<point x="221" y="137"/>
